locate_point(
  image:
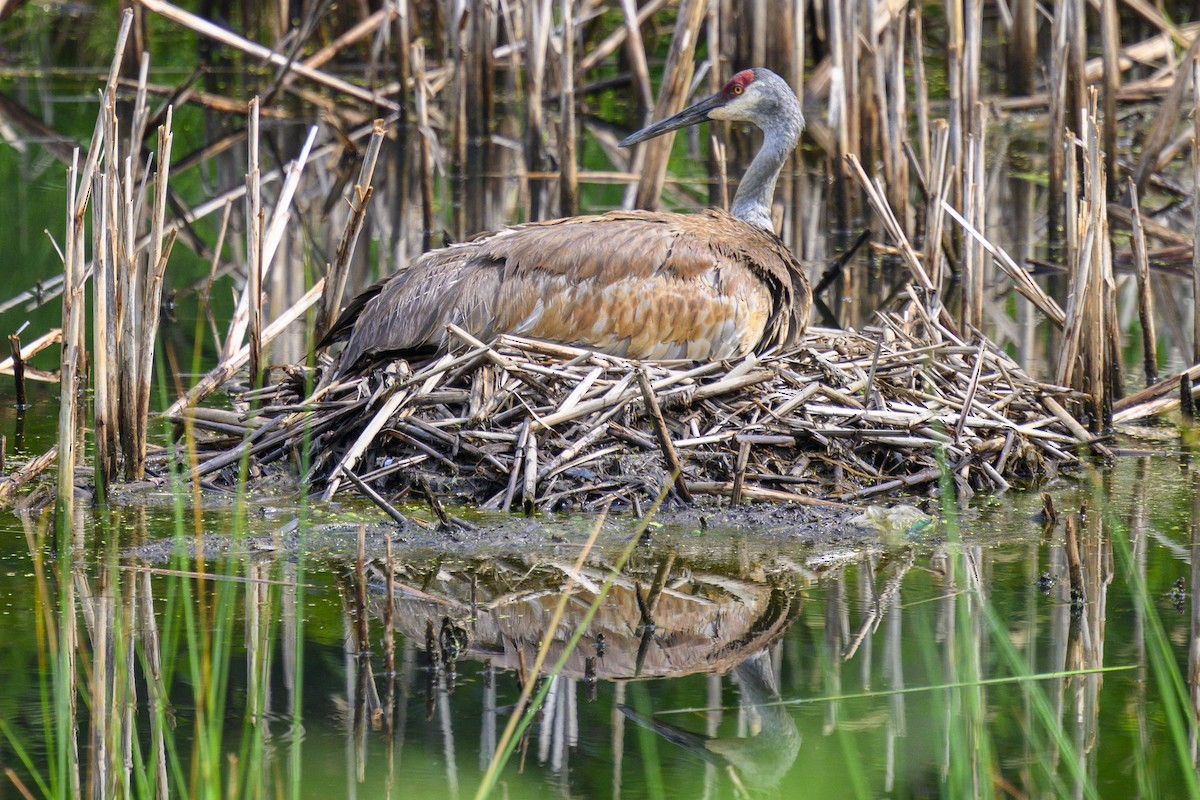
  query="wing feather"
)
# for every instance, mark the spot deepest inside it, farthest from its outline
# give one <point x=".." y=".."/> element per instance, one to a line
<point x="643" y="284"/>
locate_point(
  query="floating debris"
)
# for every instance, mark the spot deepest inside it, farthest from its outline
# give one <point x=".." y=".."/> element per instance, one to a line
<point x="898" y="521"/>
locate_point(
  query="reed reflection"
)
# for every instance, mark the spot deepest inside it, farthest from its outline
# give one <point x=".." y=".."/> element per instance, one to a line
<point x="932" y="666"/>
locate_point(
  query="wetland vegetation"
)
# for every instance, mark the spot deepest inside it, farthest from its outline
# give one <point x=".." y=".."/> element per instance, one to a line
<point x="520" y="568"/>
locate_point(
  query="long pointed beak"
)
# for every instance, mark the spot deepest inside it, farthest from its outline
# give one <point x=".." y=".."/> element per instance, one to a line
<point x="692" y="115"/>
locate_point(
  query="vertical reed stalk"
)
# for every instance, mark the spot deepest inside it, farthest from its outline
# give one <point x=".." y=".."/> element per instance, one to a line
<point x="872" y="100"/>
<point x="1145" y="294"/>
<point x="335" y="282"/>
<point x="127" y="319"/>
<point x="1086" y="358"/>
<point x="1195" y="65"/>
<point x="113" y="300"/>
<point x="263" y="240"/>
<point x="254" y="247"/>
<point x="425" y="160"/>
<point x="568" y="183"/>
<point x="921" y="89"/>
<point x="73" y="310"/>
<point x="73" y="267"/>
<point x="14" y="344"/>
<point x="151" y="297"/>
<point x="637" y="59"/>
<point x="537" y="41"/>
<point x="1058" y="121"/>
<point x="956" y="113"/>
<point x="935" y="257"/>
<point x="976" y="186"/>
<point x="1110" y="39"/>
<point x="635" y="51"/>
<point x="677" y="78"/>
<point x="400" y="159"/>
<point x="1022" y="47"/>
<point x="100" y="368"/>
<point x="897" y="122"/>
<point x="840" y="102"/>
<point x="458" y="125"/>
<point x="798" y="178"/>
<point x="137" y="130"/>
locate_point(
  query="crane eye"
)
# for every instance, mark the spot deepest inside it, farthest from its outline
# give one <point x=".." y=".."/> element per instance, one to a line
<point x="737" y="88"/>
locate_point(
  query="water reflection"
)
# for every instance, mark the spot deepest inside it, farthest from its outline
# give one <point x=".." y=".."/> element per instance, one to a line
<point x="663" y="620"/>
<point x="717" y="666"/>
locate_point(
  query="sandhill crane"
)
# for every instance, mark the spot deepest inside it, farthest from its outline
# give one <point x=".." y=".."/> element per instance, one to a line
<point x="645" y="285"/>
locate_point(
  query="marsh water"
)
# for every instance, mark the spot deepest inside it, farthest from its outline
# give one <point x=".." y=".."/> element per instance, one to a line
<point x="239" y="644"/>
<point x="945" y="660"/>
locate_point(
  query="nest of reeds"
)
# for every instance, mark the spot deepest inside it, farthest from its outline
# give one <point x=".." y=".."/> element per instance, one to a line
<point x="522" y="423"/>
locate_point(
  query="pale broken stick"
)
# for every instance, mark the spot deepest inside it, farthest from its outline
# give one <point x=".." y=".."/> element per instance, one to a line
<point x="51" y="337"/>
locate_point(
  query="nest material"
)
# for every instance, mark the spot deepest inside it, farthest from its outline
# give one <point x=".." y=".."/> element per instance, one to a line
<point x="527" y="423"/>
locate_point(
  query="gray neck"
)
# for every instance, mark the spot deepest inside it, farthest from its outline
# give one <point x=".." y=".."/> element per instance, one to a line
<point x="756" y="192"/>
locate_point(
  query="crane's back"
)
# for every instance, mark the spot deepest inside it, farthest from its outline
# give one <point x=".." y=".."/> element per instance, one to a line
<point x="639" y="284"/>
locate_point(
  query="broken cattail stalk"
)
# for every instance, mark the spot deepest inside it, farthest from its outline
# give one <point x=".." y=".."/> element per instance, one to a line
<point x="461" y="36"/>
<point x="335" y="280"/>
<point x="1084" y="359"/>
<point x="538" y="24"/>
<point x="421" y="103"/>
<point x="635" y="52"/>
<point x="101" y="269"/>
<point x="1048" y="509"/>
<point x="72" y="309"/>
<point x="254" y="252"/>
<point x="270" y="236"/>
<point x="663" y="434"/>
<point x="568" y="184"/>
<point x="1145" y="293"/>
<point x="1074" y="566"/>
<point x="47" y="339"/>
<point x="1022" y="282"/>
<point x="151" y="297"/>
<point x="530" y="462"/>
<point x="939" y="187"/>
<point x="18" y="367"/>
<point x="361" y="620"/>
<point x="1110" y="43"/>
<point x="677" y="78"/>
<point x="1195" y="64"/>
<point x="11" y="484"/>
<point x="973" y="252"/>
<point x="389" y="612"/>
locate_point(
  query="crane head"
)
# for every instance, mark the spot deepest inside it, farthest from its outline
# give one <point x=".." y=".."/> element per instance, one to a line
<point x="748" y="96"/>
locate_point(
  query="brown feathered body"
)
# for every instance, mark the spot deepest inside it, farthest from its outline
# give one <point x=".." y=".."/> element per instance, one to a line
<point x="639" y="284"/>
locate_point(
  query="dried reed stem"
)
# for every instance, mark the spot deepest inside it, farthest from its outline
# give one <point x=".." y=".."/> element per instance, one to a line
<point x="72" y="310"/>
<point x="1145" y="293"/>
<point x="568" y="184"/>
<point x="335" y="278"/>
<point x="677" y="78"/>
<point x="1195" y="64"/>
<point x="254" y="254"/>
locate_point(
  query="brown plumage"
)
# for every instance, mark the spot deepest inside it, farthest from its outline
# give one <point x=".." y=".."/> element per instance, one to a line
<point x="640" y="284"/>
